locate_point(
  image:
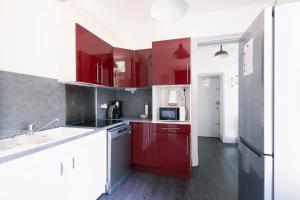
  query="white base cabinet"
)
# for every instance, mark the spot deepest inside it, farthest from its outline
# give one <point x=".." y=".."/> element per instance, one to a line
<point x="86" y="167"/>
<point x="75" y="170"/>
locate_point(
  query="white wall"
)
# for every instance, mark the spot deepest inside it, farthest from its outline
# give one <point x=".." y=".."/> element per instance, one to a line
<point x="38" y="37"/>
<point x="206" y="63"/>
<point x="203" y="25"/>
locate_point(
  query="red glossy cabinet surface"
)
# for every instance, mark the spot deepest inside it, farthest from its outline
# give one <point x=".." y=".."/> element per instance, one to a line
<point x="94" y="58"/>
<point x="161" y="148"/>
<point x="132" y="68"/>
<point x="142" y="144"/>
<point x="123" y="67"/>
<point x="143" y="68"/>
<point x="172" y="147"/>
<point x="171" y="62"/>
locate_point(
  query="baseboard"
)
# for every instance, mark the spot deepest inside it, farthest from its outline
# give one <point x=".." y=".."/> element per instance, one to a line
<point x="230" y="139"/>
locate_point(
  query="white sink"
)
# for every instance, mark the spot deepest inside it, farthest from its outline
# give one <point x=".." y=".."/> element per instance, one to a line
<point x="23" y="142"/>
<point x="31" y="139"/>
<point x="62" y="132"/>
<point x="7" y="144"/>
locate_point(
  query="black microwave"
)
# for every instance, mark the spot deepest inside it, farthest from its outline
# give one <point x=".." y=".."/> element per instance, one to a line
<point x="172" y="113"/>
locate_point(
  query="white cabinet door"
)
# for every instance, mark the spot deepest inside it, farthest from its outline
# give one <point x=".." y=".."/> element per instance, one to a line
<point x="87" y="167"/>
<point x="37" y="176"/>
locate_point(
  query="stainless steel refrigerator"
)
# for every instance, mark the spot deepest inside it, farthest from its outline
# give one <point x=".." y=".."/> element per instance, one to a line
<point x="269" y="106"/>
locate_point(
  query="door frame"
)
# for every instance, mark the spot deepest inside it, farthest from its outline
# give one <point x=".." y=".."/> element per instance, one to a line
<point x="222" y="117"/>
<point x="195" y="43"/>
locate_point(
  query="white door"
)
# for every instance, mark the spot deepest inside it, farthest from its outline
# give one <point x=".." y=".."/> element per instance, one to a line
<point x="87" y="167"/>
<point x="37" y="176"/>
<point x="209" y="107"/>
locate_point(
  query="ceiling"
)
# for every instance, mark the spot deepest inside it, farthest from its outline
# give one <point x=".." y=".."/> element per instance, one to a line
<point x="132" y="12"/>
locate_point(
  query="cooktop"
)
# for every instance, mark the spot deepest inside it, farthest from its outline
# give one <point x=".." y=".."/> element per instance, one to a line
<point x="97" y="123"/>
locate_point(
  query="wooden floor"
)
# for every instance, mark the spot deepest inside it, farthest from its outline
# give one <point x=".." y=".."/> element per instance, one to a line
<point x="216" y="178"/>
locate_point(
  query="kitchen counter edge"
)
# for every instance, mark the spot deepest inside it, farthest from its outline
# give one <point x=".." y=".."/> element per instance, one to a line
<point x="32" y="150"/>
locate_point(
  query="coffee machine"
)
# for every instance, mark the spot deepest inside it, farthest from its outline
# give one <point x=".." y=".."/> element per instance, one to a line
<point x="114" y="110"/>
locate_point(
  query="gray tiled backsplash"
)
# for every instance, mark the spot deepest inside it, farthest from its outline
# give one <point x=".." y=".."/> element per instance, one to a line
<point x="104" y="96"/>
<point x="80" y="102"/>
<point x="28" y="99"/>
<point x="133" y="105"/>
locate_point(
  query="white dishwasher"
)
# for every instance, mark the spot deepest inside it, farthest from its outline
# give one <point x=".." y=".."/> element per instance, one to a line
<point x="118" y="156"/>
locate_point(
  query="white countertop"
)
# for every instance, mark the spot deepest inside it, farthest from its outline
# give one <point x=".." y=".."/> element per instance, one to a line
<point x="136" y="119"/>
<point x="23" y="145"/>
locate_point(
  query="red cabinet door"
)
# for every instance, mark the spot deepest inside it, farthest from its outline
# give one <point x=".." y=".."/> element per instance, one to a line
<point x="143" y="68"/>
<point x="85" y="59"/>
<point x="105" y="65"/>
<point x="172" y="128"/>
<point x="123" y="67"/>
<point x="94" y="58"/>
<point x="172" y="146"/>
<point x="172" y="151"/>
<point x="171" y="62"/>
<point x="142" y="144"/>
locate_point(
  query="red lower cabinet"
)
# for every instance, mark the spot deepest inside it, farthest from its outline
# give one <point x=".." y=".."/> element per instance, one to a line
<point x="161" y="148"/>
<point x="173" y="152"/>
<point x="142" y="144"/>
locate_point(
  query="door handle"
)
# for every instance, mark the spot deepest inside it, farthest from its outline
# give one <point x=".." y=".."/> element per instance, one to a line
<point x="61" y="169"/>
<point x="97" y="68"/>
<point x="187" y="73"/>
<point x="73" y="163"/>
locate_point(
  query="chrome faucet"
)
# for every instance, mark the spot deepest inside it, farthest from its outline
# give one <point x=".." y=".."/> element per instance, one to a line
<point x="31" y="127"/>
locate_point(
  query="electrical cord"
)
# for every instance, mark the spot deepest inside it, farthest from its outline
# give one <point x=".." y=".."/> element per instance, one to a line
<point x="187" y="112"/>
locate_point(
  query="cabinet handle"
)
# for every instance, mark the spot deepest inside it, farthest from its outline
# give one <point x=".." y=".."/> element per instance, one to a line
<point x="101" y="67"/>
<point x="149" y="139"/>
<point x="97" y="67"/>
<point x="187" y="73"/>
<point x="61" y="169"/>
<point x="170" y="128"/>
<point x="73" y="163"/>
<point x="187" y="145"/>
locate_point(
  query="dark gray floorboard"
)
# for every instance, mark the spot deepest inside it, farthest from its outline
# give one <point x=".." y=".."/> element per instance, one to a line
<point x="215" y="178"/>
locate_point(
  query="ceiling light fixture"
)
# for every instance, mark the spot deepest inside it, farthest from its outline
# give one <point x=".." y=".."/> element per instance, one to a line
<point x="168" y="10"/>
<point x="221" y="53"/>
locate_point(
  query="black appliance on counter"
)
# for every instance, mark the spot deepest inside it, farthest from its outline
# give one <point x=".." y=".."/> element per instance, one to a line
<point x="115" y="110"/>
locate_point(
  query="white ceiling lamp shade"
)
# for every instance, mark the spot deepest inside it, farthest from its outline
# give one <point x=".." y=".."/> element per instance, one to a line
<point x="169" y="10"/>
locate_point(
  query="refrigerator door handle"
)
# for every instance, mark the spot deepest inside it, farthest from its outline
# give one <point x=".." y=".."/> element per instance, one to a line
<point x="253" y="149"/>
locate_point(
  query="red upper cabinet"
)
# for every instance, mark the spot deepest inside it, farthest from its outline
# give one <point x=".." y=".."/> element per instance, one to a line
<point x="85" y="59"/>
<point x="94" y="58"/>
<point x="143" y="68"/>
<point x="123" y="67"/>
<point x="171" y="62"/>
